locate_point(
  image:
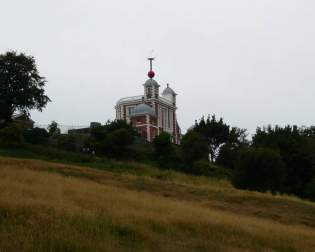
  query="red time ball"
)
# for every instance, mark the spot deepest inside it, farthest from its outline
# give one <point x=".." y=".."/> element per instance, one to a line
<point x="151" y="74"/>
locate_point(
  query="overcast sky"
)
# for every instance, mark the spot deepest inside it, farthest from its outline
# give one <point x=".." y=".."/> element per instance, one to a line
<point x="248" y="61"/>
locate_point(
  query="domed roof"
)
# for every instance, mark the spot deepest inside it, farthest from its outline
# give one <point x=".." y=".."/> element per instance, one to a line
<point x="168" y="91"/>
<point x="151" y="82"/>
<point x="142" y="109"/>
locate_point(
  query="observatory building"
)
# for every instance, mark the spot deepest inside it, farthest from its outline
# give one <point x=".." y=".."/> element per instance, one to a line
<point x="151" y="113"/>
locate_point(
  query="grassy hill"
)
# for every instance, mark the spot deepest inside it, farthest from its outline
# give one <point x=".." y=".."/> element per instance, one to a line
<point x="45" y="206"/>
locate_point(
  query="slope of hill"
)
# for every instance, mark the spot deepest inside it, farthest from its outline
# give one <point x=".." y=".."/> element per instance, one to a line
<point x="46" y="206"/>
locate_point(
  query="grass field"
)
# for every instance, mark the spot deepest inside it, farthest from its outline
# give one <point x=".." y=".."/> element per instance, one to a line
<point x="46" y="206"/>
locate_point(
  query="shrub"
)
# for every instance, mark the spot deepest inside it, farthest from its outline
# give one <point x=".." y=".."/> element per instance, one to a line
<point x="227" y="156"/>
<point x="205" y="168"/>
<point x="166" y="153"/>
<point x="12" y="136"/>
<point x="36" y="136"/>
<point x="112" y="139"/>
<point x="194" y="148"/>
<point x="140" y="151"/>
<point x="162" y="144"/>
<point x="260" y="169"/>
<point x="50" y="153"/>
<point x="66" y="142"/>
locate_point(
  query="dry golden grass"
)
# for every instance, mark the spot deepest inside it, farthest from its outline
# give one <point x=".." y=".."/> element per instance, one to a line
<point x="53" y="207"/>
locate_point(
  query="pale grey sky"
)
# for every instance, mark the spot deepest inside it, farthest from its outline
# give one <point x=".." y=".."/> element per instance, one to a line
<point x="249" y="61"/>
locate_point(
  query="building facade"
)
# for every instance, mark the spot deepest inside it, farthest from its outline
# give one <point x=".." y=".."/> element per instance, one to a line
<point x="151" y="113"/>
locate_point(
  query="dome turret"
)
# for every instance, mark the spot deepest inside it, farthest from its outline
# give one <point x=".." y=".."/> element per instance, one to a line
<point x="151" y="82"/>
<point x="168" y="91"/>
<point x="169" y="94"/>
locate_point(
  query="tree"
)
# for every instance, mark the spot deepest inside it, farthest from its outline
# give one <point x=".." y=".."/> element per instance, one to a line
<point x="164" y="150"/>
<point x="36" y="136"/>
<point x="228" y="155"/>
<point x="112" y="139"/>
<point x="297" y="149"/>
<point x="162" y="144"/>
<point x="12" y="136"/>
<point x="53" y="129"/>
<point x="260" y="169"/>
<point x="194" y="148"/>
<point x="21" y="86"/>
<point x="217" y="134"/>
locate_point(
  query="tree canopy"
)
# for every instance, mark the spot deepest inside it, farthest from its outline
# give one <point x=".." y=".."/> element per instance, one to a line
<point x="297" y="148"/>
<point x="112" y="139"/>
<point x="21" y="86"/>
<point x="217" y="133"/>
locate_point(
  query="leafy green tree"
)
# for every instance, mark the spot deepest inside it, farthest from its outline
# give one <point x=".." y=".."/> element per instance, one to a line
<point x="165" y="151"/>
<point x="217" y="134"/>
<point x="12" y="136"/>
<point x="228" y="155"/>
<point x="260" y="169"/>
<point x="297" y="149"/>
<point x="21" y="86"/>
<point x="53" y="129"/>
<point x="194" y="148"/>
<point x="112" y="139"/>
<point x="36" y="136"/>
<point x="162" y="144"/>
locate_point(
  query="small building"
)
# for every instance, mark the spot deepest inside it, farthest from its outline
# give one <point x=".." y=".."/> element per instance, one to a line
<point x="151" y="113"/>
<point x="84" y="131"/>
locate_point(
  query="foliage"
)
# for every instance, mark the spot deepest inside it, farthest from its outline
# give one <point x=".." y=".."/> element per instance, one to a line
<point x="36" y="136"/>
<point x="140" y="150"/>
<point x="194" y="148"/>
<point x="12" y="136"/>
<point x="162" y="144"/>
<point x="205" y="168"/>
<point x="67" y="142"/>
<point x="21" y="86"/>
<point x="228" y="155"/>
<point x="260" y="169"/>
<point x="297" y="148"/>
<point x="53" y="129"/>
<point x="217" y="133"/>
<point x="165" y="151"/>
<point x="112" y="139"/>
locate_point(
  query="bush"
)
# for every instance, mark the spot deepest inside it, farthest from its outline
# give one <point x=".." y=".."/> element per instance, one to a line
<point x="36" y="136"/>
<point x="166" y="153"/>
<point x="194" y="148"/>
<point x="140" y="151"/>
<point x="112" y="139"/>
<point x="12" y="136"/>
<point x="57" y="154"/>
<point x="260" y="169"/>
<point x="67" y="142"/>
<point x="227" y="156"/>
<point x="205" y="168"/>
